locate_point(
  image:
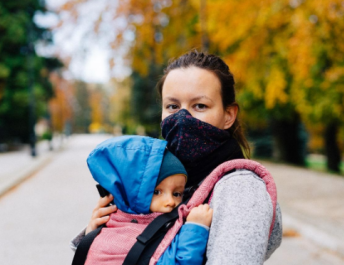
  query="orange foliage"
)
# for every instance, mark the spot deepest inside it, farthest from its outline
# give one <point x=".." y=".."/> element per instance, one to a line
<point x="273" y="45"/>
<point x="60" y="106"/>
<point x="97" y="115"/>
<point x="283" y="52"/>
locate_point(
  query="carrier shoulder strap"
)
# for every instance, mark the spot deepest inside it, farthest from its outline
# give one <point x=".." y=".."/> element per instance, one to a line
<point x="84" y="246"/>
<point x="202" y="193"/>
<point x="155" y="231"/>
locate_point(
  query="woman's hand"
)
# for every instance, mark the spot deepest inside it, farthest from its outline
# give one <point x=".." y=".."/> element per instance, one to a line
<point x="201" y="214"/>
<point x="100" y="214"/>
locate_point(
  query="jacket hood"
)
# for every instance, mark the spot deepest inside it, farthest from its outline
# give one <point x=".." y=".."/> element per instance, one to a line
<point x="128" y="167"/>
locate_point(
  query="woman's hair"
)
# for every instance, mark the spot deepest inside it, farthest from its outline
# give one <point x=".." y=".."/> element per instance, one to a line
<point x="217" y="66"/>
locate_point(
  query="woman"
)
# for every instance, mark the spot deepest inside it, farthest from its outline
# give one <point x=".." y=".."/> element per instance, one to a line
<point x="200" y="124"/>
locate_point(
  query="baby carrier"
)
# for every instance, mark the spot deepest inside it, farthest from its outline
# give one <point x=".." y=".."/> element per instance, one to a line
<point x="146" y="237"/>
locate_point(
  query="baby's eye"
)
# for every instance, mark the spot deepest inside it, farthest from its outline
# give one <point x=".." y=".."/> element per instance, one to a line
<point x="200" y="107"/>
<point x="157" y="192"/>
<point x="177" y="194"/>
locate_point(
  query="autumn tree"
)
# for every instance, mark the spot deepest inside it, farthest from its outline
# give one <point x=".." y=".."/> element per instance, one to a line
<point x="159" y="34"/>
<point x="82" y="117"/>
<point x="120" y="112"/>
<point x="18" y="65"/>
<point x="319" y="70"/>
<point x="286" y="56"/>
<point x="63" y="104"/>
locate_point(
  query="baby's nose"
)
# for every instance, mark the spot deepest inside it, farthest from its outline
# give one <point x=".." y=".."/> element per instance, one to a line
<point x="170" y="202"/>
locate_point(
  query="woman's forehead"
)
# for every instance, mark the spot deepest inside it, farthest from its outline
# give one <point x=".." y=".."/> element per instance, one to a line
<point x="192" y="82"/>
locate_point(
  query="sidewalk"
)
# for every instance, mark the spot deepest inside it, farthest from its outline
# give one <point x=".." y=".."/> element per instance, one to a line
<point x="312" y="204"/>
<point x="17" y="166"/>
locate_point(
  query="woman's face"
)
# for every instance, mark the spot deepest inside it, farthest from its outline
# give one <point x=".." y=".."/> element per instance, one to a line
<point x="199" y="92"/>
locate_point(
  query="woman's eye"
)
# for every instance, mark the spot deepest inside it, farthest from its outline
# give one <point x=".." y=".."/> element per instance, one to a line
<point x="177" y="194"/>
<point x="172" y="107"/>
<point x="200" y="107"/>
<point x="156" y="192"/>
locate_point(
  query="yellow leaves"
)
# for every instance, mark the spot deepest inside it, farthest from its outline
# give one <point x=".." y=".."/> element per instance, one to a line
<point x="316" y="139"/>
<point x="61" y="110"/>
<point x="264" y="42"/>
<point x="4" y="71"/>
<point x="275" y="89"/>
<point x="96" y="107"/>
<point x="334" y="73"/>
<point x="257" y="90"/>
<point x="95" y="127"/>
<point x="140" y="65"/>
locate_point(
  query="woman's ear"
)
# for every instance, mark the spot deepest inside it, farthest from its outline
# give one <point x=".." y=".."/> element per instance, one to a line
<point x="230" y="116"/>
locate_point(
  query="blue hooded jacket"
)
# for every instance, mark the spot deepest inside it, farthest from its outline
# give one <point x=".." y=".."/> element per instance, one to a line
<point x="128" y="167"/>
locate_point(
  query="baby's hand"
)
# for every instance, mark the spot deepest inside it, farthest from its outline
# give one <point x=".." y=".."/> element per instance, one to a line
<point x="201" y="214"/>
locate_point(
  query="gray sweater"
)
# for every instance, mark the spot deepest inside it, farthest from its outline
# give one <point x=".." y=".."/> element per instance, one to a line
<point x="239" y="233"/>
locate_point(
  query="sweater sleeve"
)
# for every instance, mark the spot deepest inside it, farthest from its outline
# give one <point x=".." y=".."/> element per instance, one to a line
<point x="76" y="240"/>
<point x="243" y="212"/>
<point x="188" y="247"/>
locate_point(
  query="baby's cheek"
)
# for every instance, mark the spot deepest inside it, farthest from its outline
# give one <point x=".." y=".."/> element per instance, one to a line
<point x="153" y="207"/>
<point x="178" y="201"/>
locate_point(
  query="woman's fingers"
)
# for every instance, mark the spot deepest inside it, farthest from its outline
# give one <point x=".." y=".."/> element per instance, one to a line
<point x="100" y="216"/>
<point x="101" y="220"/>
<point x="100" y="212"/>
<point x="95" y="222"/>
<point x="105" y="201"/>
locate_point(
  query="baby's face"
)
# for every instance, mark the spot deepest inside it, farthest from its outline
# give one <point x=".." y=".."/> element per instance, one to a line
<point x="168" y="194"/>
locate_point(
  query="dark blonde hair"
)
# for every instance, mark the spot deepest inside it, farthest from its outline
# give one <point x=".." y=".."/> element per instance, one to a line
<point x="217" y="66"/>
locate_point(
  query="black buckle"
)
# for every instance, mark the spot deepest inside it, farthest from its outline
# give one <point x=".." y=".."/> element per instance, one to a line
<point x="142" y="239"/>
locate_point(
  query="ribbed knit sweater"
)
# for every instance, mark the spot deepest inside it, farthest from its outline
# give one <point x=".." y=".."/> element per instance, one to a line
<point x="239" y="232"/>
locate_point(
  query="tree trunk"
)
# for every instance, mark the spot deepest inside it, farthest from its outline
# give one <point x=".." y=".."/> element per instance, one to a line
<point x="289" y="140"/>
<point x="203" y="22"/>
<point x="331" y="147"/>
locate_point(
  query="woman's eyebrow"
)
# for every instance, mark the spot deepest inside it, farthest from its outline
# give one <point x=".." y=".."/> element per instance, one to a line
<point x="171" y="99"/>
<point x="201" y="97"/>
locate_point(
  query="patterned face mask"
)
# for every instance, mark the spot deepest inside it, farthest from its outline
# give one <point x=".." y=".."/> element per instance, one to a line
<point x="190" y="139"/>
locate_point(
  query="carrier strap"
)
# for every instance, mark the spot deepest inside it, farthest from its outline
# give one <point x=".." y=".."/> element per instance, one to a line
<point x="84" y="246"/>
<point x="150" y="233"/>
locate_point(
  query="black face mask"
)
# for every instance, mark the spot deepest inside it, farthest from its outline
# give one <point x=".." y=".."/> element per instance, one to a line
<point x="189" y="138"/>
<point x="200" y="146"/>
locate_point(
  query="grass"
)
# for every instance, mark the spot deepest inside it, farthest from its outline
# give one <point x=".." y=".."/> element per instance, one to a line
<point x="318" y="162"/>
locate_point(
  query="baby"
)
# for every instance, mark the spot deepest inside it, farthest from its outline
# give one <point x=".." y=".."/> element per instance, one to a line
<point x="145" y="180"/>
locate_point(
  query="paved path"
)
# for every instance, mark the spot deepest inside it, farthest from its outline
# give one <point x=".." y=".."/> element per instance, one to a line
<point x="17" y="165"/>
<point x="312" y="203"/>
<point x="39" y="217"/>
<point x="301" y="251"/>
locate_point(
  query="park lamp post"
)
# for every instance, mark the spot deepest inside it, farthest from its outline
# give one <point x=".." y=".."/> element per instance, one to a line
<point x="30" y="66"/>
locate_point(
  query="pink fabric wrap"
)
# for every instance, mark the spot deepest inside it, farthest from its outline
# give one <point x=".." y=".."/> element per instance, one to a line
<point x="206" y="187"/>
<point x="113" y="243"/>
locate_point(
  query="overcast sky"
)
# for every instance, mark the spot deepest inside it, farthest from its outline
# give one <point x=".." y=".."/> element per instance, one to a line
<point x="89" y="55"/>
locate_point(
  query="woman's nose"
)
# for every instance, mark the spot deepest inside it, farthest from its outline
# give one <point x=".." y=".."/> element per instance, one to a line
<point x="189" y="110"/>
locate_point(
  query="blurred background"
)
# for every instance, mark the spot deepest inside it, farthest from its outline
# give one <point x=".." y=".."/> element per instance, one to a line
<point x="90" y="67"/>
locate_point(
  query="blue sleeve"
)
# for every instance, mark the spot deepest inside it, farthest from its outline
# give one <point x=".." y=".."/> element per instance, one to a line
<point x="188" y="247"/>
